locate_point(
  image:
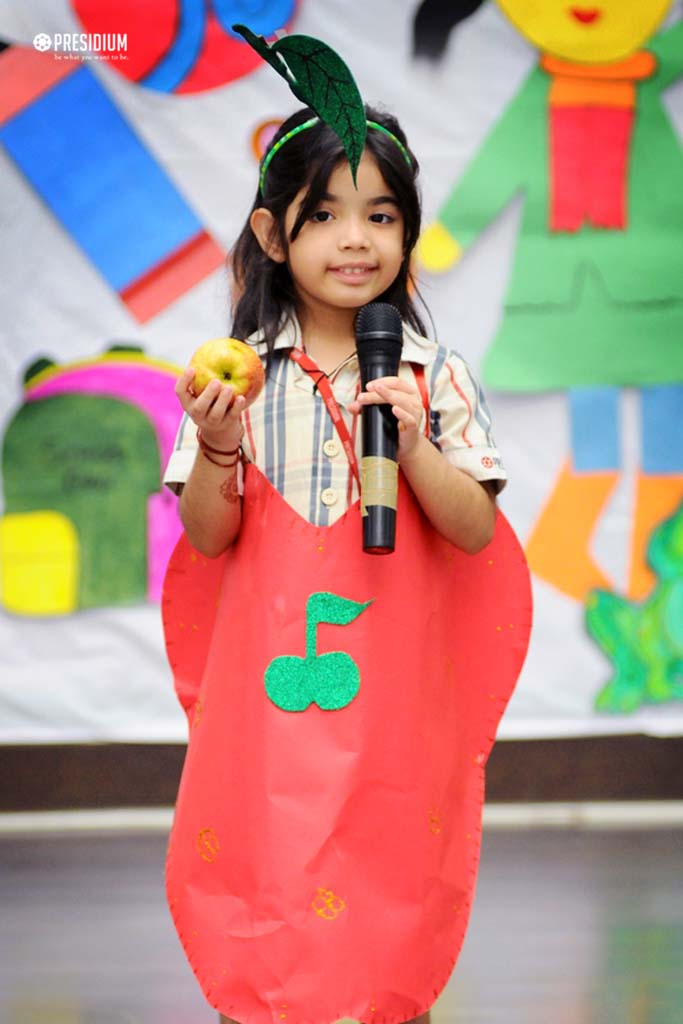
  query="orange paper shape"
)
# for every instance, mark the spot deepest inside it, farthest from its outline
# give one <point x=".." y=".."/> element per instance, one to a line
<point x="558" y="547"/>
<point x="338" y="850"/>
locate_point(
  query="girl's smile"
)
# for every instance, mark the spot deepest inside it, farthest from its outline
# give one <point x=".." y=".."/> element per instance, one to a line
<point x="354" y="273"/>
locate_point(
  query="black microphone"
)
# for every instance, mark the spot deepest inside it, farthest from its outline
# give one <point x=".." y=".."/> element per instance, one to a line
<point x="379" y="340"/>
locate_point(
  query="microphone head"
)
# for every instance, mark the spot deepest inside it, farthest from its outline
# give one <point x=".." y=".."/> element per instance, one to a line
<point x="378" y="318"/>
<point x="379" y="340"/>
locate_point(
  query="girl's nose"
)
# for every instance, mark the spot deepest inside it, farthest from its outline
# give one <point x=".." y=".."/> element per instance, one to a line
<point x="354" y="234"/>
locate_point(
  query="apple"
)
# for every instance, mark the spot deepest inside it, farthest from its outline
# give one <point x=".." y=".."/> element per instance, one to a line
<point x="231" y="362"/>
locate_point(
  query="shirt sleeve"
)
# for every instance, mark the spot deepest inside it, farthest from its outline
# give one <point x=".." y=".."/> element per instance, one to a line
<point x="183" y="455"/>
<point x="461" y="421"/>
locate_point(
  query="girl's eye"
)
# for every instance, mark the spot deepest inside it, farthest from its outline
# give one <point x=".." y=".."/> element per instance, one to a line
<point x="382" y="218"/>
<point x="321" y="216"/>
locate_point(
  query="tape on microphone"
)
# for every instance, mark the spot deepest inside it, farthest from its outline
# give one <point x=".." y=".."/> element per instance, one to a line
<point x="379" y="483"/>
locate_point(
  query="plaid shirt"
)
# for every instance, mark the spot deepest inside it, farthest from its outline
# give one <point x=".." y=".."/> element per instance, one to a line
<point x="290" y="436"/>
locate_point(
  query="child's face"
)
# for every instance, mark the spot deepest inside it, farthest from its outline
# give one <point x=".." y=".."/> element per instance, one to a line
<point x="351" y="249"/>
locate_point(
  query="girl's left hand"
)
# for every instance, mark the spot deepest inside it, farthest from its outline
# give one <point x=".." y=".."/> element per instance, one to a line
<point x="406" y="405"/>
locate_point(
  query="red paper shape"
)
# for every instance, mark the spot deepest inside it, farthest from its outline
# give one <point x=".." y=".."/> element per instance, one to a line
<point x="322" y="863"/>
<point x="25" y="75"/>
<point x="170" y="278"/>
<point x="589" y="149"/>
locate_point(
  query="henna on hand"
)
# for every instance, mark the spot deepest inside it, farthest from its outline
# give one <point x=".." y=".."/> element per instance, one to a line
<point x="229" y="490"/>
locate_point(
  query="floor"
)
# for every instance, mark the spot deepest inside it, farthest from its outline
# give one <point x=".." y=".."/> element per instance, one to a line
<point x="570" y="926"/>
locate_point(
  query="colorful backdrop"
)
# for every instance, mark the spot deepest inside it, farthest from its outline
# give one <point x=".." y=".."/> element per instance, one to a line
<point x="552" y="258"/>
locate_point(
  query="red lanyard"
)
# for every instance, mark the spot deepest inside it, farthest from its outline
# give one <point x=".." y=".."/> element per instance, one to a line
<point x="323" y="385"/>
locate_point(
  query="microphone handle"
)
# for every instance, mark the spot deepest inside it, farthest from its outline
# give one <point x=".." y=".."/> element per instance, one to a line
<point x="379" y="466"/>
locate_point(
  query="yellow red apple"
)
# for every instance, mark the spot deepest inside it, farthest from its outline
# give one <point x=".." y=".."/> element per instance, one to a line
<point x="231" y="362"/>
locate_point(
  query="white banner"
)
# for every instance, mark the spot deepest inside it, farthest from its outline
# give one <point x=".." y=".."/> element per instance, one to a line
<point x="124" y="181"/>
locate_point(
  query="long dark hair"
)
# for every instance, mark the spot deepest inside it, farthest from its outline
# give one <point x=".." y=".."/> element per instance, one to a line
<point x="433" y="22"/>
<point x="264" y="295"/>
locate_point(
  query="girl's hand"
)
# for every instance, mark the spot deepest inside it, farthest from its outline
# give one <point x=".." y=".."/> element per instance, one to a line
<point x="406" y="405"/>
<point x="217" y="412"/>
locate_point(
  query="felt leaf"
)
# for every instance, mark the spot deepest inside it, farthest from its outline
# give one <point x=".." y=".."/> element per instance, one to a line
<point x="332" y="609"/>
<point x="268" y="53"/>
<point x="319" y="78"/>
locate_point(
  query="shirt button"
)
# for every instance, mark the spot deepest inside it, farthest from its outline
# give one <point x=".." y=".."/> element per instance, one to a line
<point x="331" y="448"/>
<point x="329" y="496"/>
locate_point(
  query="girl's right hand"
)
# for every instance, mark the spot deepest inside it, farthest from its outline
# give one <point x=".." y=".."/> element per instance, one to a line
<point x="216" y="412"/>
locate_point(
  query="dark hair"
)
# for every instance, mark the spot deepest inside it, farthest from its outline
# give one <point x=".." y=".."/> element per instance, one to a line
<point x="264" y="295"/>
<point x="434" y="21"/>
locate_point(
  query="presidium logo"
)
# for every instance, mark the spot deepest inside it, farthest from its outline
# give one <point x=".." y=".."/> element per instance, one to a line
<point x="83" y="45"/>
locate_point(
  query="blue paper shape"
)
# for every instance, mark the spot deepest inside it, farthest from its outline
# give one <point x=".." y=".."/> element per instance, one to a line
<point x="662" y="428"/>
<point x="99" y="180"/>
<point x="594" y="426"/>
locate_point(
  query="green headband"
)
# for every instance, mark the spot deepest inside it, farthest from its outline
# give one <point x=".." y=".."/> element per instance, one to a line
<point x="319" y="78"/>
<point x="309" y="124"/>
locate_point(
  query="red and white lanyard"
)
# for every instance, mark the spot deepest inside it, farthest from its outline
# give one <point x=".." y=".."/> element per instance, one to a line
<point x="322" y="383"/>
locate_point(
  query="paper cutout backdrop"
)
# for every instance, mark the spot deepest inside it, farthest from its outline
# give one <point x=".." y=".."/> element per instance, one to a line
<point x="185" y="46"/>
<point x="595" y="464"/>
<point x="595" y="299"/>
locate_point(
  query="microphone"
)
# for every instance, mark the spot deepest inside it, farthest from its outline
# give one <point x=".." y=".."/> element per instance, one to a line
<point x="379" y="340"/>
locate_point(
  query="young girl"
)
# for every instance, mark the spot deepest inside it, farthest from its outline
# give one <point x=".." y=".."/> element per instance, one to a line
<point x="325" y="844"/>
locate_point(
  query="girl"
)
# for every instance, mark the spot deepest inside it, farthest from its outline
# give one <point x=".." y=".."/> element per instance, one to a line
<point x="313" y="251"/>
<point x="325" y="843"/>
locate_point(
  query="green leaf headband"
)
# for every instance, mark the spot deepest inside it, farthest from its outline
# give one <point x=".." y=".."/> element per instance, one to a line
<point x="309" y="124"/>
<point x="321" y="80"/>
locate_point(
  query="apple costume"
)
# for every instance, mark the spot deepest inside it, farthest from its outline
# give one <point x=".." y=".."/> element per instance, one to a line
<point x="341" y="710"/>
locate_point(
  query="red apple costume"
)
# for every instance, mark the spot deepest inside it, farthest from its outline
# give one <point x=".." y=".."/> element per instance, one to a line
<point x="322" y="863"/>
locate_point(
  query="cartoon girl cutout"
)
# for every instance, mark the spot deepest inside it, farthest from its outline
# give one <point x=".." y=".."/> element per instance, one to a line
<point x="595" y="300"/>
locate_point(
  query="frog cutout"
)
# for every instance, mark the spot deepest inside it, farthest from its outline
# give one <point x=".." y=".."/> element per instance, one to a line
<point x="644" y="640"/>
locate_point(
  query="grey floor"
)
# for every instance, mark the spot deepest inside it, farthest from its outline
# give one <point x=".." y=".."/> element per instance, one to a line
<point x="569" y="927"/>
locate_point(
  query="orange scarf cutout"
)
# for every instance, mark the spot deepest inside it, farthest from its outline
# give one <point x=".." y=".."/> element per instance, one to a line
<point x="597" y="85"/>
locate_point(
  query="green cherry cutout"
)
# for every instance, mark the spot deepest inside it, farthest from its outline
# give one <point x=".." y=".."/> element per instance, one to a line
<point x="330" y="680"/>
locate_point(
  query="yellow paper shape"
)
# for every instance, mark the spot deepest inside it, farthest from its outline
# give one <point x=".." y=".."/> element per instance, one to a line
<point x="39" y="556"/>
<point x="437" y="251"/>
<point x="587" y="33"/>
